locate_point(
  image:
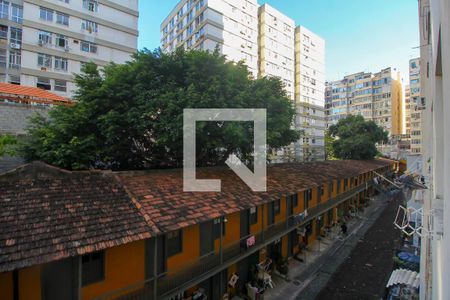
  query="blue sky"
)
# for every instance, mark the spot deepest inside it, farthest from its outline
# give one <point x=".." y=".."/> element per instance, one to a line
<point x="360" y="35"/>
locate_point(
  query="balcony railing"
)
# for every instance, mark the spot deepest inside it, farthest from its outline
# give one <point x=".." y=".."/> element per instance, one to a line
<point x="203" y="268"/>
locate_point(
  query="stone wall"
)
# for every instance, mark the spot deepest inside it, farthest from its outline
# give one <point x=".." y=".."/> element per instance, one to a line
<point x="14" y="117"/>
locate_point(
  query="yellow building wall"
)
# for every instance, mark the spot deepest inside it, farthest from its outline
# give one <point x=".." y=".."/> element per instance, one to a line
<point x="190" y="250"/>
<point x="30" y="283"/>
<point x="124" y="266"/>
<point x="232" y="232"/>
<point x="396" y="108"/>
<point x="255" y="228"/>
<point x="6" y="286"/>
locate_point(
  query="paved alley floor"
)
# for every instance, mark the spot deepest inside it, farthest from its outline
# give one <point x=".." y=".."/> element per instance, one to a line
<point x="354" y="267"/>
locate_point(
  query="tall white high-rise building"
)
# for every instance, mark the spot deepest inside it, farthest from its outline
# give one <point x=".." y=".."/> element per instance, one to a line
<point x="230" y="26"/>
<point x="42" y="43"/>
<point x="270" y="45"/>
<point x="276" y="47"/>
<point x="412" y="110"/>
<point x="310" y="94"/>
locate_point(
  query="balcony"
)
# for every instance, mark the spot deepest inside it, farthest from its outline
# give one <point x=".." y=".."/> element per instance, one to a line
<point x="168" y="285"/>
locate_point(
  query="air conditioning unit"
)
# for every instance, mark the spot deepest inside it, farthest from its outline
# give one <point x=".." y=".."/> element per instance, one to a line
<point x="43" y="69"/>
<point x="14" y="46"/>
<point x="40" y="42"/>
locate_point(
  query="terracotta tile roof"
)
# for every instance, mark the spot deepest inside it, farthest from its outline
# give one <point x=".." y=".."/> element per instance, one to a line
<point x="160" y="192"/>
<point x="48" y="214"/>
<point x="22" y="93"/>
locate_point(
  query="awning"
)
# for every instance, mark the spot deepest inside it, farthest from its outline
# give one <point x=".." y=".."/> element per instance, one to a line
<point x="406" y="277"/>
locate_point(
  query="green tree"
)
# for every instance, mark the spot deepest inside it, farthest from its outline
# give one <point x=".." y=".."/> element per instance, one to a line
<point x="131" y="116"/>
<point x="355" y="138"/>
<point x="7" y="143"/>
<point x="329" y="152"/>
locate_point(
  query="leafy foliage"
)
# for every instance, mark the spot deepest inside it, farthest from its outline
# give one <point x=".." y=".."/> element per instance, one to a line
<point x="355" y="138"/>
<point x="329" y="151"/>
<point x="131" y="116"/>
<point x="7" y="143"/>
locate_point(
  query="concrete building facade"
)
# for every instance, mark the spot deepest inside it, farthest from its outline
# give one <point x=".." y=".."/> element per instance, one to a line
<point x="276" y="47"/>
<point x="309" y="94"/>
<point x="434" y="18"/>
<point x="42" y="43"/>
<point x="413" y="110"/>
<point x="376" y="96"/>
<point x="230" y="26"/>
<point x="270" y="45"/>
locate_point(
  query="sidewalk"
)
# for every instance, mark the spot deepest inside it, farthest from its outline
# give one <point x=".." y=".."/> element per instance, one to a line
<point x="319" y="252"/>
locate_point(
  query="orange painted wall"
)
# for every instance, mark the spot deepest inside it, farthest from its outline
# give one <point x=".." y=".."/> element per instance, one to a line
<point x="232" y="231"/>
<point x="301" y="203"/>
<point x="284" y="246"/>
<point x="255" y="228"/>
<point x="30" y="283"/>
<point x="335" y="184"/>
<point x="313" y="201"/>
<point x="190" y="251"/>
<point x="325" y="192"/>
<point x="312" y="237"/>
<point x="124" y="265"/>
<point x="6" y="286"/>
<point x="282" y="215"/>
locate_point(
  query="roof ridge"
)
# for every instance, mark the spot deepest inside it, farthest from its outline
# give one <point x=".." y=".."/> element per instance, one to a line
<point x="155" y="229"/>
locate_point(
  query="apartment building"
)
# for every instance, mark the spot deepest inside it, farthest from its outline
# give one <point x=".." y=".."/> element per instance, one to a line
<point x="276" y="44"/>
<point x="434" y="27"/>
<point x="135" y="235"/>
<point x="375" y="96"/>
<point x="276" y="47"/>
<point x="309" y="94"/>
<point x="44" y="42"/>
<point x="413" y="109"/>
<point x="230" y="26"/>
<point x="270" y="44"/>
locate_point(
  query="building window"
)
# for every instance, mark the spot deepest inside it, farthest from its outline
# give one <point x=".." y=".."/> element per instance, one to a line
<point x="3" y="32"/>
<point x="44" y="60"/>
<point x="14" y="79"/>
<point x="3" y="58"/>
<point x="17" y="13"/>
<point x="90" y="5"/>
<point x="60" y="85"/>
<point x="253" y="215"/>
<point x="276" y="207"/>
<point x="62" y="41"/>
<point x="61" y="63"/>
<point x="218" y="223"/>
<point x="88" y="47"/>
<point x="92" y="268"/>
<point x="44" y="83"/>
<point x="16" y="36"/>
<point x="46" y="14"/>
<point x="4" y="9"/>
<point x="62" y="19"/>
<point x="89" y="26"/>
<point x="45" y="38"/>
<point x="174" y="242"/>
<point x="15" y="59"/>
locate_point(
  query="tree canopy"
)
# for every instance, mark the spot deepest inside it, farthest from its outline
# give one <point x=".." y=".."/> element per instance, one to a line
<point x="7" y="143"/>
<point x="355" y="138"/>
<point x="130" y="116"/>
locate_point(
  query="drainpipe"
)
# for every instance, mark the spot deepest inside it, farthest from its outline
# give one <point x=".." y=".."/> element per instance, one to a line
<point x="155" y="268"/>
<point x="222" y="223"/>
